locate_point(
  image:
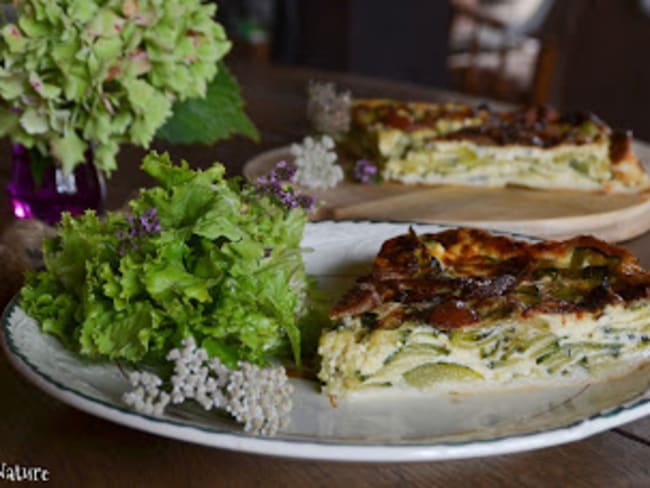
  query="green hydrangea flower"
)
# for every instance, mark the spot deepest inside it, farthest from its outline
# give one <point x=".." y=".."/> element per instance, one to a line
<point x="106" y="72"/>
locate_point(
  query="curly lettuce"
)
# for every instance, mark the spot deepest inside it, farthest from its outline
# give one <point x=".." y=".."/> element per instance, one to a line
<point x="200" y="256"/>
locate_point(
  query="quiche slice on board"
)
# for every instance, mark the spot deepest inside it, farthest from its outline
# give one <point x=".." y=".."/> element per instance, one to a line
<point x="452" y="143"/>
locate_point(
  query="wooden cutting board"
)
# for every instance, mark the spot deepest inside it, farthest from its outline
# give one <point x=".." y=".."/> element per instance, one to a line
<point x="542" y="213"/>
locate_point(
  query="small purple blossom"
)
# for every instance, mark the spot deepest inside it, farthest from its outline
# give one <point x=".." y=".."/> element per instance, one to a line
<point x="365" y="171"/>
<point x="284" y="171"/>
<point x="308" y="202"/>
<point x="150" y="221"/>
<point x="277" y="184"/>
<point x="144" y="225"/>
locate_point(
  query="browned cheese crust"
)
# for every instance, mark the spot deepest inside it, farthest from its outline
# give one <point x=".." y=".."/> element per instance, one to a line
<point x="460" y="277"/>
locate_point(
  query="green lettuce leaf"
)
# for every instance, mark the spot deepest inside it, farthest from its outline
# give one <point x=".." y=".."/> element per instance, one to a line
<point x="225" y="266"/>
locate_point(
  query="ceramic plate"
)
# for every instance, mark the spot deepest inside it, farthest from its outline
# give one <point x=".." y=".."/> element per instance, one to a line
<point x="393" y="429"/>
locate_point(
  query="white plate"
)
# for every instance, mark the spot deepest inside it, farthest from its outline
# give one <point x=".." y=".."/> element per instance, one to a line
<point x="404" y="429"/>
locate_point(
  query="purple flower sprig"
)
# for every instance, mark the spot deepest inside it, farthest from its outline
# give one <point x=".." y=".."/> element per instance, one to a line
<point x="277" y="184"/>
<point x="365" y="171"/>
<point x="139" y="227"/>
<point x="147" y="223"/>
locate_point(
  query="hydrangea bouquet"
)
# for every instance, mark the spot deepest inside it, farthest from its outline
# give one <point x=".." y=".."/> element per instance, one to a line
<point x="76" y="73"/>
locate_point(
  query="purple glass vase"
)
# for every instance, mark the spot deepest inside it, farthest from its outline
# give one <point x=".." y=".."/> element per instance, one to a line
<point x="57" y="192"/>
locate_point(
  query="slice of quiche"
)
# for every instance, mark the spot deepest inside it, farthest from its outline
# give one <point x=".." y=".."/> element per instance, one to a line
<point x="464" y="309"/>
<point x="455" y="144"/>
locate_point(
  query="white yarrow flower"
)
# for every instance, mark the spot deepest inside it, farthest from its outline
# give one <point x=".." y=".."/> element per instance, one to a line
<point x="259" y="398"/>
<point x="327" y="110"/>
<point x="315" y="162"/>
<point x="146" y="397"/>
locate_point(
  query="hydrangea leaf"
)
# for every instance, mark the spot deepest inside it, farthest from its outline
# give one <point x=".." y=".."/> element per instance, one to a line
<point x="98" y="127"/>
<point x="34" y="122"/>
<point x="217" y="116"/>
<point x="8" y="121"/>
<point x="11" y="87"/>
<point x="76" y="86"/>
<point x="107" y="49"/>
<point x="105" y="23"/>
<point x="82" y="9"/>
<point x="106" y="152"/>
<point x="68" y="149"/>
<point x="33" y="28"/>
<point x="14" y="38"/>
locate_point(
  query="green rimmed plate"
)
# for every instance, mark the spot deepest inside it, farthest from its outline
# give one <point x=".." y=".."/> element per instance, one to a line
<point x="377" y="430"/>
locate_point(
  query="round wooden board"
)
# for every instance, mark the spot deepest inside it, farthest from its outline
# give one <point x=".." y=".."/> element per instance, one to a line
<point x="542" y="213"/>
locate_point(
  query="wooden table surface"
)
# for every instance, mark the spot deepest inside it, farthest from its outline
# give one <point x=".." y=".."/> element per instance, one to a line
<point x="81" y="450"/>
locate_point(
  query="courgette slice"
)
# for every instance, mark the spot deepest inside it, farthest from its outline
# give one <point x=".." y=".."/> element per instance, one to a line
<point x="406" y="359"/>
<point x="429" y="374"/>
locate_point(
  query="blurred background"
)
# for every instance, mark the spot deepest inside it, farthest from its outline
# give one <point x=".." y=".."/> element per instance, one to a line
<point x="573" y="54"/>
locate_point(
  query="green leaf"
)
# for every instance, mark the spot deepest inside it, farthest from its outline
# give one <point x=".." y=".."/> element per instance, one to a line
<point x="38" y="164"/>
<point x="8" y="121"/>
<point x="167" y="276"/>
<point x="34" y="122"/>
<point x="69" y="149"/>
<point x="165" y="172"/>
<point x="13" y="37"/>
<point x="224" y="266"/>
<point x="206" y="120"/>
<point x="108" y="48"/>
<point x="82" y="10"/>
<point x="11" y="86"/>
<point x="229" y="355"/>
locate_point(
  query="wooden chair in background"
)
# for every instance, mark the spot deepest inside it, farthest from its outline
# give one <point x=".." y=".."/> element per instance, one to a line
<point x="490" y="58"/>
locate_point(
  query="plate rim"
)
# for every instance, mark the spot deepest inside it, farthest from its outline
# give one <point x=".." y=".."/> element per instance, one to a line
<point x="314" y="449"/>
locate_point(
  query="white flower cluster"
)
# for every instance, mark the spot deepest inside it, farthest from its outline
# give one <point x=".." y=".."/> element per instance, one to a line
<point x="315" y="162"/>
<point x="147" y="397"/>
<point x="192" y="379"/>
<point x="327" y="110"/>
<point x="260" y="398"/>
<point x="257" y="401"/>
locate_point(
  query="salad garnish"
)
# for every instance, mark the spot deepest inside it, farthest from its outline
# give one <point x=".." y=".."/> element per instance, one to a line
<point x="201" y="256"/>
<point x="278" y="184"/>
<point x="206" y="272"/>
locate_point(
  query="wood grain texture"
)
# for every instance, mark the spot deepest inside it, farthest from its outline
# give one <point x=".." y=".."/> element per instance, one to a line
<point x="548" y="214"/>
<point x="83" y="451"/>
